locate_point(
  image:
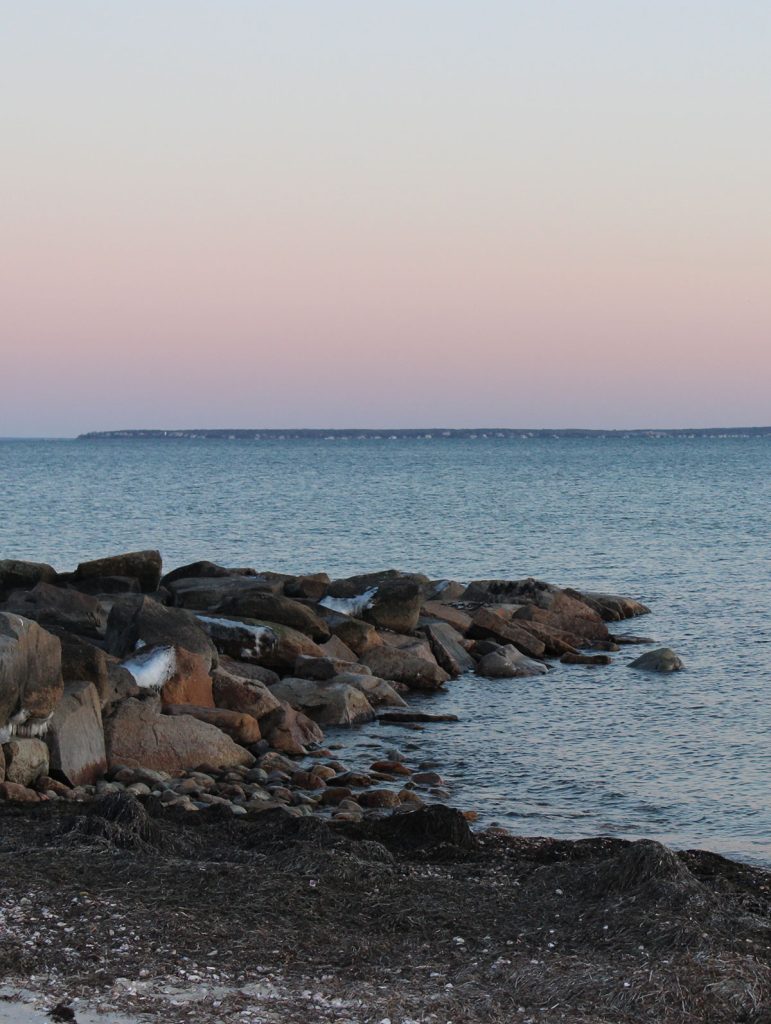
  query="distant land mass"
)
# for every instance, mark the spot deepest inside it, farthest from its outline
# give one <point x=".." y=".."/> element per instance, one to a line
<point x="423" y="433"/>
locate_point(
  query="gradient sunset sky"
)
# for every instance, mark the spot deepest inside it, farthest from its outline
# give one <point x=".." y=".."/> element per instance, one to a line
<point x="339" y="213"/>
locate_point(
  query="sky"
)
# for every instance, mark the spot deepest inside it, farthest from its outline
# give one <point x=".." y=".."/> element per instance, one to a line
<point x="237" y="213"/>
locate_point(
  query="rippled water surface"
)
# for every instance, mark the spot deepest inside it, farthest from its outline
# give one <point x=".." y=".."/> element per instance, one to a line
<point x="683" y="524"/>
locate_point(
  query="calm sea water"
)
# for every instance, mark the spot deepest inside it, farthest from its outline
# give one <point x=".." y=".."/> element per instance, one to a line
<point x="683" y="524"/>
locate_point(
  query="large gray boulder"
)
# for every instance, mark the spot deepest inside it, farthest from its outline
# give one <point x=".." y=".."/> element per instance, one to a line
<point x="19" y="575"/>
<point x="137" y="621"/>
<point x="30" y="676"/>
<point x="76" y="736"/>
<point x="402" y="667"/>
<point x="25" y="760"/>
<point x="143" y="566"/>
<point x="59" y="607"/>
<point x="327" y="703"/>
<point x="663" y="659"/>
<point x="137" y="736"/>
<point x="509" y="663"/>
<point x="447" y="648"/>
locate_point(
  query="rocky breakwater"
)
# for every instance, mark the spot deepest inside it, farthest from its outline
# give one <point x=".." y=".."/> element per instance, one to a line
<point x="211" y="686"/>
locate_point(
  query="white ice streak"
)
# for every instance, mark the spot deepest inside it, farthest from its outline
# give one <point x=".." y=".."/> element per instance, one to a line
<point x="230" y="629"/>
<point x="350" y="605"/>
<point x="24" y="725"/>
<point x="153" y="668"/>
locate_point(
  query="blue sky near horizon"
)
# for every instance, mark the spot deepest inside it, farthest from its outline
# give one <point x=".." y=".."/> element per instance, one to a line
<point x="342" y="214"/>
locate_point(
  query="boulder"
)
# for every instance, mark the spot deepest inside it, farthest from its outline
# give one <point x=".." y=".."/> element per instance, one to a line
<point x="210" y="593"/>
<point x="455" y="617"/>
<point x="173" y="672"/>
<point x="84" y="661"/>
<point x="25" y="760"/>
<point x="444" y="590"/>
<point x="253" y="640"/>
<point x="54" y="606"/>
<point x="144" y="566"/>
<point x="18" y="575"/>
<point x="76" y="736"/>
<point x="289" y="730"/>
<point x="509" y="663"/>
<point x="15" y="793"/>
<point x="327" y="703"/>
<point x="377" y="691"/>
<point x="488" y="623"/>
<point x="325" y="668"/>
<point x="137" y="736"/>
<point x="241" y="727"/>
<point x="238" y="693"/>
<point x="136" y="620"/>
<point x="104" y="586"/>
<point x="30" y="676"/>
<point x="585" y="659"/>
<point x="611" y="607"/>
<point x="311" y="588"/>
<point x="663" y="659"/>
<point x="416" y="645"/>
<point x="447" y="648"/>
<point x="195" y="570"/>
<point x="248" y="670"/>
<point x="355" y="633"/>
<point x="402" y="667"/>
<point x="246" y="597"/>
<point x="335" y="648"/>
<point x="396" y="605"/>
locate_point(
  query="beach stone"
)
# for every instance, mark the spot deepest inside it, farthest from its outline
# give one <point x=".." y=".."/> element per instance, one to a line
<point x="455" y="617"/>
<point x="447" y="649"/>
<point x="377" y="691"/>
<point x="137" y="620"/>
<point x="55" y="606"/>
<point x="415" y="645"/>
<point x="144" y="566"/>
<point x="379" y="798"/>
<point x="509" y="663"/>
<point x="428" y="779"/>
<point x="239" y="693"/>
<point x="396" y="665"/>
<point x="15" y="793"/>
<point x="76" y="736"/>
<point x="25" y="760"/>
<point x="290" y="731"/>
<point x="20" y="575"/>
<point x="30" y="676"/>
<point x="326" y="668"/>
<point x="663" y="659"/>
<point x="355" y="633"/>
<point x="138" y="737"/>
<point x="242" y="728"/>
<point x="327" y="703"/>
<point x="391" y="767"/>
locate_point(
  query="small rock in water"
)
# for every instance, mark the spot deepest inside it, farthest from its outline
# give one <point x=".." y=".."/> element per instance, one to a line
<point x="661" y="660"/>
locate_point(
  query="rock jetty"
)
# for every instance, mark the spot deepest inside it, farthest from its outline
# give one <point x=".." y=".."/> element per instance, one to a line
<point x="212" y="687"/>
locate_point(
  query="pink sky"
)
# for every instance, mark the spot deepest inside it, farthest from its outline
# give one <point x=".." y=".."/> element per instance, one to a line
<point x="508" y="214"/>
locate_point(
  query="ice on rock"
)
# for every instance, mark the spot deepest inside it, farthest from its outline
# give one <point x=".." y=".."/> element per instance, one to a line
<point x="350" y="605"/>
<point x="152" y="669"/>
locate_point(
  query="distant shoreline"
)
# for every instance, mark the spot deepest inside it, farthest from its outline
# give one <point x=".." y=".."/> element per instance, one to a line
<point x="422" y="433"/>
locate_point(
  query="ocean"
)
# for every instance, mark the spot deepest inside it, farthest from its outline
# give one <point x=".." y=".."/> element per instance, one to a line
<point x="683" y="524"/>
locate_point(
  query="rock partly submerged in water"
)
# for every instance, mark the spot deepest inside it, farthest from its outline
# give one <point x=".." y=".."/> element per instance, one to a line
<point x="663" y="659"/>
